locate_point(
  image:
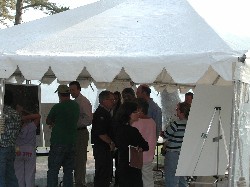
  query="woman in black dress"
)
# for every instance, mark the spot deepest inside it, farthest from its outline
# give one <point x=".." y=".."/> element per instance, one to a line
<point x="126" y="135"/>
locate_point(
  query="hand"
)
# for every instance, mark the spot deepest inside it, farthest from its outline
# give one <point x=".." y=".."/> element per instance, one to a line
<point x="112" y="146"/>
<point x="162" y="134"/>
<point x="51" y="126"/>
<point x="139" y="149"/>
<point x="19" y="108"/>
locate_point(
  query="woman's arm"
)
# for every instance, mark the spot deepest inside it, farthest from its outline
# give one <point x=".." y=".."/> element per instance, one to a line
<point x="32" y="117"/>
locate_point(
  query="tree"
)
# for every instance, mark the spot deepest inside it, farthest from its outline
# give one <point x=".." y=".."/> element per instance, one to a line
<point x="10" y="9"/>
<point x="5" y="11"/>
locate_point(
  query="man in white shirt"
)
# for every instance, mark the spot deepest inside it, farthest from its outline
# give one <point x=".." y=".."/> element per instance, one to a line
<point x="85" y="119"/>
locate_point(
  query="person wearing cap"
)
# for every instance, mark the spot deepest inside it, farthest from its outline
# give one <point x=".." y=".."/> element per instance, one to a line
<point x="85" y="119"/>
<point x="62" y="118"/>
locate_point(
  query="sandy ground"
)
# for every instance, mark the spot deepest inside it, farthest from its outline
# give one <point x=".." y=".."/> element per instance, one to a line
<point x="42" y="167"/>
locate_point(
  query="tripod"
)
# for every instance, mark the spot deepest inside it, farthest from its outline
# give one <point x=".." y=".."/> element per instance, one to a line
<point x="220" y="136"/>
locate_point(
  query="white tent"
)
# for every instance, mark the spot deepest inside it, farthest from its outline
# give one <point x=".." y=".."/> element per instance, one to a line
<point x="163" y="42"/>
<point x="148" y="41"/>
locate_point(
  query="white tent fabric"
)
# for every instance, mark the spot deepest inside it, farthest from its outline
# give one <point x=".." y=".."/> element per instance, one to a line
<point x="228" y="18"/>
<point x="160" y="41"/>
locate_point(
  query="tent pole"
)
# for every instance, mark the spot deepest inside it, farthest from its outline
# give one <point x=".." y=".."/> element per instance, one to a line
<point x="2" y="91"/>
<point x="238" y="169"/>
<point x="234" y="124"/>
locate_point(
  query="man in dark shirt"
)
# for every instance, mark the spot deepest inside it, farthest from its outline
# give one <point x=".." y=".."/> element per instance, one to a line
<point x="63" y="119"/>
<point x="101" y="137"/>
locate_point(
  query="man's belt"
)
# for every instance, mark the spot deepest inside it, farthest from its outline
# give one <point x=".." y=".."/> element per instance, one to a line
<point x="81" y="128"/>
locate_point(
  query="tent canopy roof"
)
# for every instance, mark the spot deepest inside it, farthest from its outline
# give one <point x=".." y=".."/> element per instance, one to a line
<point x="146" y="41"/>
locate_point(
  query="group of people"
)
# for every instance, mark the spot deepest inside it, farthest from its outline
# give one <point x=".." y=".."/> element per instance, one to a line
<point x="69" y="140"/>
<point x="18" y="145"/>
<point x="115" y="126"/>
<point x="69" y="120"/>
<point x="121" y="120"/>
<point x="136" y="122"/>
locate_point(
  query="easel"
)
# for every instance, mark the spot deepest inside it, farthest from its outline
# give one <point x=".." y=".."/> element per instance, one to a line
<point x="220" y="135"/>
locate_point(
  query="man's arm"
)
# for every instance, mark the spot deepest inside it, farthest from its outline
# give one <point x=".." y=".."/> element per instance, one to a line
<point x="171" y="129"/>
<point x="86" y="115"/>
<point x="49" y="122"/>
<point x="107" y="139"/>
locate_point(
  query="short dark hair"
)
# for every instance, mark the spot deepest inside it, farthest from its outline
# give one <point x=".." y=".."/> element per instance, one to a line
<point x="184" y="108"/>
<point x="117" y="93"/>
<point x="123" y="114"/>
<point x="8" y="97"/>
<point x="78" y="86"/>
<point x="104" y="95"/>
<point x="146" y="89"/>
<point x="189" y="94"/>
<point x="128" y="91"/>
<point x="142" y="104"/>
<point x="128" y="94"/>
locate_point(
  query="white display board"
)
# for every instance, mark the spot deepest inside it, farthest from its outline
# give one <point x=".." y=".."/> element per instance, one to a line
<point x="195" y="161"/>
<point x="45" y="108"/>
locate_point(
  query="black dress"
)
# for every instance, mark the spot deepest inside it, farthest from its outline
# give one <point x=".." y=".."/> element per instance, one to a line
<point x="127" y="135"/>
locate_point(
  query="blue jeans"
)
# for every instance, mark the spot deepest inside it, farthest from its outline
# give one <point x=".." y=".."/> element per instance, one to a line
<point x="60" y="155"/>
<point x="170" y="166"/>
<point x="7" y="172"/>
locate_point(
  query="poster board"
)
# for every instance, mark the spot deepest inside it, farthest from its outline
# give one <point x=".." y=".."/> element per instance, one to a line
<point x="206" y="98"/>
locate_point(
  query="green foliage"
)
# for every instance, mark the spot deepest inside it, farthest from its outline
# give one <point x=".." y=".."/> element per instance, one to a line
<point x="45" y="6"/>
<point x="8" y="8"/>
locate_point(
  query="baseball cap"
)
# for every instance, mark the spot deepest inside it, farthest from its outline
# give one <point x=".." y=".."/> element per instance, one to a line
<point x="62" y="89"/>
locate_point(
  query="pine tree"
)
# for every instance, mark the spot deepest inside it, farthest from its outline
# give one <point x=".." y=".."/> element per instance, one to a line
<point x="12" y="10"/>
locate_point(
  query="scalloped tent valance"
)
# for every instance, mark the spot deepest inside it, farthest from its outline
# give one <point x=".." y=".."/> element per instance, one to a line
<point x="159" y="42"/>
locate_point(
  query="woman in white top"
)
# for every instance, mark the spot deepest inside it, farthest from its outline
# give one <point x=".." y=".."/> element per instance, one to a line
<point x="25" y="161"/>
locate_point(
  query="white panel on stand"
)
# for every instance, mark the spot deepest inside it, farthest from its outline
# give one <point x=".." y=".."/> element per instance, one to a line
<point x="199" y="156"/>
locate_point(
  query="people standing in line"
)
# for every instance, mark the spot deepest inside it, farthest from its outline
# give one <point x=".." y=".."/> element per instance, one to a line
<point x="102" y="139"/>
<point x="154" y="111"/>
<point x="62" y="118"/>
<point x="7" y="142"/>
<point x="126" y="135"/>
<point x="174" y="135"/>
<point x="85" y="119"/>
<point x="147" y="128"/>
<point x="25" y="162"/>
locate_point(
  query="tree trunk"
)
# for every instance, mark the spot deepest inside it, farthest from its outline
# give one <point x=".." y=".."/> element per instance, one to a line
<point x="19" y="12"/>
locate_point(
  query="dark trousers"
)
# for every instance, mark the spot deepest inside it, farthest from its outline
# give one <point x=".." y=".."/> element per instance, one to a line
<point x="129" y="176"/>
<point x="103" y="166"/>
<point x="60" y="155"/>
<point x="7" y="172"/>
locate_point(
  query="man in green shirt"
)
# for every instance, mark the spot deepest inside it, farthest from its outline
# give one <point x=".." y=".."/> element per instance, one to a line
<point x="63" y="119"/>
